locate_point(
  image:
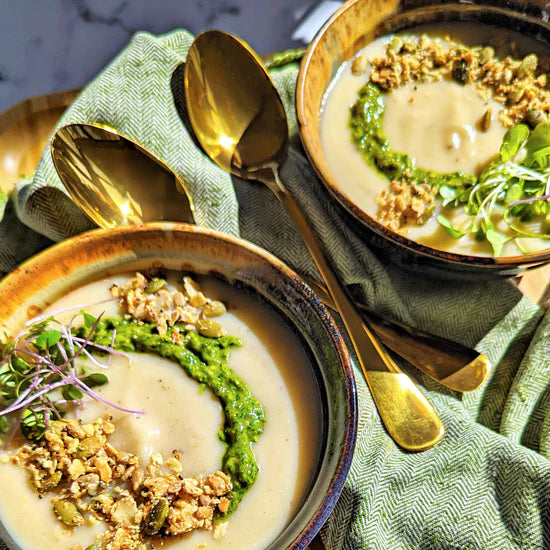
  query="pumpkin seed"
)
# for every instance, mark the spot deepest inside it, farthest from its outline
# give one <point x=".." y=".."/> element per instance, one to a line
<point x="198" y="299"/>
<point x="215" y="308"/>
<point x="394" y="45"/>
<point x="528" y="65"/>
<point x="460" y="71"/>
<point x="485" y="54"/>
<point x="91" y="547"/>
<point x="192" y="289"/>
<point x="68" y="513"/>
<point x="88" y="447"/>
<point x="485" y="122"/>
<point x="154" y="285"/>
<point x="210" y="329"/>
<point x="515" y="96"/>
<point x="51" y="482"/>
<point x="157" y="517"/>
<point x="535" y="116"/>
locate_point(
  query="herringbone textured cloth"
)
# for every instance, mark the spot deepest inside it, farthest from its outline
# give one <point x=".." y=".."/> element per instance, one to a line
<point x="487" y="484"/>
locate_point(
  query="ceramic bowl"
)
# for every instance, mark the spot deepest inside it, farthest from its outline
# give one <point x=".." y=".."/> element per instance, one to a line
<point x="352" y="27"/>
<point x="77" y="261"/>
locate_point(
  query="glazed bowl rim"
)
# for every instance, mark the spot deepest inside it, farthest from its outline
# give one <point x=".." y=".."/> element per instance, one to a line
<point x="303" y="533"/>
<point x="337" y="191"/>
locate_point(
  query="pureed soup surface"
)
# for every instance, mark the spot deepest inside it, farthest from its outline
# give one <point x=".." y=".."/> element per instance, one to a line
<point x="436" y="123"/>
<point x="181" y="417"/>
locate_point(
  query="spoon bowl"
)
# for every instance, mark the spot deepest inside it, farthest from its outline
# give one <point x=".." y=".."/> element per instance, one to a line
<point x="115" y="180"/>
<point x="241" y="126"/>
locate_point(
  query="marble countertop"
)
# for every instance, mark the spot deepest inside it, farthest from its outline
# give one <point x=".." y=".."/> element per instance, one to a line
<point x="52" y="45"/>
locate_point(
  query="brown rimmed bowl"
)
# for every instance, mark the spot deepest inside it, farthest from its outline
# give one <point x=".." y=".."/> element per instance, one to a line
<point x="352" y="27"/>
<point x="72" y="263"/>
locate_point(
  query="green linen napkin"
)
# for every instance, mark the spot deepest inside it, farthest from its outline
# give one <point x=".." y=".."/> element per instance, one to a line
<point x="487" y="484"/>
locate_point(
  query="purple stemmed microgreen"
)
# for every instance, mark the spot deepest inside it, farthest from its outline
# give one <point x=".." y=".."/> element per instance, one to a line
<point x="530" y="199"/>
<point x="40" y="363"/>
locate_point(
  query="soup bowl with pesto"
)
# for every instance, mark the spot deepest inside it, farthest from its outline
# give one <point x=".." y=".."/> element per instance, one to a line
<point x="430" y="126"/>
<point x="168" y="385"/>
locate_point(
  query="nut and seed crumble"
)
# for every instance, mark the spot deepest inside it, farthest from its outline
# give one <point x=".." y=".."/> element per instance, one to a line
<point x="516" y="83"/>
<point x="151" y="301"/>
<point x="94" y="482"/>
<point x="405" y="203"/>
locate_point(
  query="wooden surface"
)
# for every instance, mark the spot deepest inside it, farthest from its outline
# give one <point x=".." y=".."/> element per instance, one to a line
<point x="535" y="285"/>
<point x="24" y="130"/>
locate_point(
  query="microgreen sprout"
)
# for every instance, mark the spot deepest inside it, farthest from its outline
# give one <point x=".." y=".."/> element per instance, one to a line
<point x="518" y="182"/>
<point x="40" y="374"/>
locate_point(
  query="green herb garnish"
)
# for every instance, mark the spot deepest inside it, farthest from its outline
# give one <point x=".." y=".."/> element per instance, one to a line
<point x="516" y="190"/>
<point x="39" y="374"/>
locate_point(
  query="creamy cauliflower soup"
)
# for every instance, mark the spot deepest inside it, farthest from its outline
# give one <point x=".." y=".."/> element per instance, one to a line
<point x="439" y="133"/>
<point x="175" y="472"/>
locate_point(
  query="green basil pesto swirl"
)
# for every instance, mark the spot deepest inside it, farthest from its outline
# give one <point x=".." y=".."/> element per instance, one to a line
<point x="205" y="360"/>
<point x="367" y="132"/>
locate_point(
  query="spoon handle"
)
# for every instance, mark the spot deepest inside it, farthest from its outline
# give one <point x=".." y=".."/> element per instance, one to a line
<point x="408" y="416"/>
<point x="453" y="365"/>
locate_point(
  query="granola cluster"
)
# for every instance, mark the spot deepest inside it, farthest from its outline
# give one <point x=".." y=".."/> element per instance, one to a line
<point x="96" y="482"/>
<point x="405" y="203"/>
<point x="152" y="301"/>
<point x="518" y="84"/>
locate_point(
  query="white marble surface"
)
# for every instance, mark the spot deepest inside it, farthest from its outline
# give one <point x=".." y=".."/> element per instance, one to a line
<point x="51" y="45"/>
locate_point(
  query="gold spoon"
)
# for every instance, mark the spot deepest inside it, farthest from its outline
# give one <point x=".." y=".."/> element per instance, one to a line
<point x="239" y="119"/>
<point x="116" y="181"/>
